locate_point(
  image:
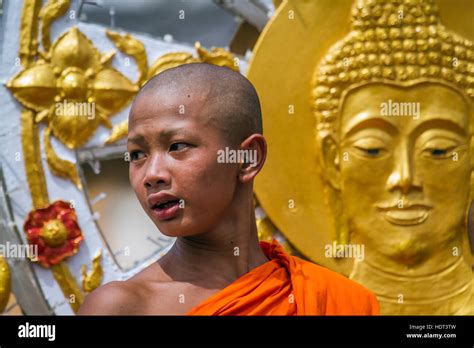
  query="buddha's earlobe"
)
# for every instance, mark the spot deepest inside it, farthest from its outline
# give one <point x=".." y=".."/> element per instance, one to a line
<point x="330" y="161"/>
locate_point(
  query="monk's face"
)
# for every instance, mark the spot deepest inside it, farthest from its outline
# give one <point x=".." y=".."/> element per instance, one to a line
<point x="174" y="171"/>
<point x="405" y="168"/>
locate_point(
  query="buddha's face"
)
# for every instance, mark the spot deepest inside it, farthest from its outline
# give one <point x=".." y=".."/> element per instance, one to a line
<point x="404" y="180"/>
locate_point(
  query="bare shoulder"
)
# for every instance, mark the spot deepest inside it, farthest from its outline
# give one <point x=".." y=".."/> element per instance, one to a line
<point x="114" y="298"/>
<point x="120" y="297"/>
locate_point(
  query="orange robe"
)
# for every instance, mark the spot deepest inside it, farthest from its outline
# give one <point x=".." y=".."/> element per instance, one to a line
<point x="288" y="285"/>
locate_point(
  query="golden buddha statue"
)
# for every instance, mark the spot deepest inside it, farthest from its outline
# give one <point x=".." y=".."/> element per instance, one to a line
<point x="393" y="102"/>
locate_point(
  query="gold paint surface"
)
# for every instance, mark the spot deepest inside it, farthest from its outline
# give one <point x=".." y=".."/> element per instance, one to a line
<point x="5" y="283"/>
<point x="35" y="88"/>
<point x="285" y="55"/>
<point x="70" y="83"/>
<point x="29" y="31"/>
<point x="59" y="166"/>
<point x="54" y="233"/>
<point x="52" y="10"/>
<point x="92" y="281"/>
<point x="170" y="60"/>
<point x="119" y="131"/>
<point x="68" y="285"/>
<point x="217" y="56"/>
<point x="32" y="160"/>
<point x="129" y="45"/>
<point x="393" y="185"/>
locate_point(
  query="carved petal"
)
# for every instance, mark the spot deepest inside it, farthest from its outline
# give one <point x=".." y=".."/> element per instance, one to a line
<point x="170" y="60"/>
<point x="217" y="56"/>
<point x="73" y="124"/>
<point x="34" y="87"/>
<point x="112" y="90"/>
<point x="73" y="48"/>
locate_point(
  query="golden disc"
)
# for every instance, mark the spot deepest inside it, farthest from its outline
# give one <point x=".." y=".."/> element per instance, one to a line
<point x="289" y="187"/>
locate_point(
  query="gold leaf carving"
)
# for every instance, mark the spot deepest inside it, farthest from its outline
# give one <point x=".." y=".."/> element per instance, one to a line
<point x="134" y="48"/>
<point x="92" y="281"/>
<point x="52" y="10"/>
<point x="217" y="56"/>
<point x="29" y="31"/>
<point x="32" y="160"/>
<point x="170" y="60"/>
<point x="118" y="132"/>
<point x="5" y="283"/>
<point x="59" y="166"/>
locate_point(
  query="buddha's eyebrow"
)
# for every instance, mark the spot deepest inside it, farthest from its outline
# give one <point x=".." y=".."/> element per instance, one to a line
<point x="372" y="122"/>
<point x="440" y="123"/>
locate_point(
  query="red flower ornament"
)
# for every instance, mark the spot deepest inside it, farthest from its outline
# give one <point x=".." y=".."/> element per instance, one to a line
<point x="55" y="231"/>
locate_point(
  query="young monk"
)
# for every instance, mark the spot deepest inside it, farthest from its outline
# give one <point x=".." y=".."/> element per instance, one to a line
<point x="179" y="122"/>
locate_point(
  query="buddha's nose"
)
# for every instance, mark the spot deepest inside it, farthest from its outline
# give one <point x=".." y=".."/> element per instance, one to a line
<point x="403" y="176"/>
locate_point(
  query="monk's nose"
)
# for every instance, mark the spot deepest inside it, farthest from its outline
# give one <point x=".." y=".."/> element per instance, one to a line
<point x="156" y="172"/>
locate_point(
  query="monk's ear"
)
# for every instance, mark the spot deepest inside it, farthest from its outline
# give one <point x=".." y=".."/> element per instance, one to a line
<point x="253" y="152"/>
<point x="330" y="161"/>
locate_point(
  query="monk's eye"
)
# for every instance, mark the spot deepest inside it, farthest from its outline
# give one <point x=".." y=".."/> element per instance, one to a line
<point x="136" y="155"/>
<point x="178" y="146"/>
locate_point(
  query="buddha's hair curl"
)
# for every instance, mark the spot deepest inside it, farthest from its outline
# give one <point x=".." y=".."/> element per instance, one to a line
<point x="391" y="40"/>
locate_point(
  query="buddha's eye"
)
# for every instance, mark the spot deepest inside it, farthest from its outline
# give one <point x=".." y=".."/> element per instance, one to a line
<point x="440" y="148"/>
<point x="370" y="152"/>
<point x="373" y="152"/>
<point x="439" y="152"/>
<point x="369" y="147"/>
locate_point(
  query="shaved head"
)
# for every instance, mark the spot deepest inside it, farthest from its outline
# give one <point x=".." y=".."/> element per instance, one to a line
<point x="229" y="100"/>
<point x="186" y="126"/>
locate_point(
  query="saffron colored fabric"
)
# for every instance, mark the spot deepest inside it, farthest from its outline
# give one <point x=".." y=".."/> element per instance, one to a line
<point x="288" y="285"/>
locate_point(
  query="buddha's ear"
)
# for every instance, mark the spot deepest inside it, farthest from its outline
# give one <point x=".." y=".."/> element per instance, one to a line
<point x="330" y="160"/>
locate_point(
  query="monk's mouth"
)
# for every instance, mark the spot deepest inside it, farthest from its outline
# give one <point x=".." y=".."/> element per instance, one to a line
<point x="165" y="205"/>
<point x="166" y="210"/>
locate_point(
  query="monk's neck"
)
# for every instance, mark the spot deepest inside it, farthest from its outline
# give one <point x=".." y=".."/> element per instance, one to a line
<point x="445" y="291"/>
<point x="219" y="256"/>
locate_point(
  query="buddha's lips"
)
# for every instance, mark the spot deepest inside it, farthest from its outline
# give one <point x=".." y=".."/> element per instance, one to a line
<point x="408" y="215"/>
